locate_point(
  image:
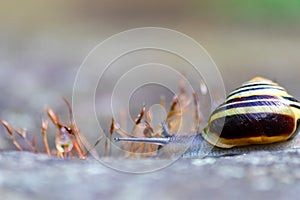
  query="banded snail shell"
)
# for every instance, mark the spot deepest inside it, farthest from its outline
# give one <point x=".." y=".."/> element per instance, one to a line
<point x="258" y="112"/>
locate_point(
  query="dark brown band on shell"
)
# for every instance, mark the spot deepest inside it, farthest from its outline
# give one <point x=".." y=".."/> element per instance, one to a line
<point x="253" y="125"/>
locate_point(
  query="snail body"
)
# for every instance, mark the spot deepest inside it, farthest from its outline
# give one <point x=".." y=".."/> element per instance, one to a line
<point x="259" y="115"/>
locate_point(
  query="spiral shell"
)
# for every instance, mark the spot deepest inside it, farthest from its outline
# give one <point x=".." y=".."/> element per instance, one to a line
<point x="258" y="112"/>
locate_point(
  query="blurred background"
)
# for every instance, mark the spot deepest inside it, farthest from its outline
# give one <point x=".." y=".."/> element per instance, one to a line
<point x="43" y="43"/>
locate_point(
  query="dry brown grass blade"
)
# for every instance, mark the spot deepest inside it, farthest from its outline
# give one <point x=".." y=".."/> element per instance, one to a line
<point x="69" y="109"/>
<point x="23" y="134"/>
<point x="8" y="127"/>
<point x="96" y="143"/>
<point x="198" y="114"/>
<point x="112" y="126"/>
<point x="17" y="145"/>
<point x="197" y="111"/>
<point x="74" y="129"/>
<point x="10" y="131"/>
<point x="140" y="116"/>
<point x="151" y="148"/>
<point x="105" y="147"/>
<point x="111" y="131"/>
<point x="80" y="147"/>
<point x="148" y="131"/>
<point x="54" y="118"/>
<point x="80" y="153"/>
<point x="44" y="132"/>
<point x="142" y="150"/>
<point x="148" y="117"/>
<point x="60" y="154"/>
<point x="162" y="101"/>
<point x="98" y="140"/>
<point x="65" y="152"/>
<point x="139" y="148"/>
<point x="132" y="149"/>
<point x="172" y="110"/>
<point x="118" y="130"/>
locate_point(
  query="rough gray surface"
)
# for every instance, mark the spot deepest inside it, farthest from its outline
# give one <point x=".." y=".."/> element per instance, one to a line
<point x="260" y="175"/>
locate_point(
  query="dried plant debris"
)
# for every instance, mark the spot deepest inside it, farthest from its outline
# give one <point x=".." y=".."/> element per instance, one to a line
<point x="143" y="127"/>
<point x="67" y="139"/>
<point x="67" y="142"/>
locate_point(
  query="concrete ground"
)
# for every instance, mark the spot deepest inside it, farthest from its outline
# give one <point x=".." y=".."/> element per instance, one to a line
<point x="261" y="175"/>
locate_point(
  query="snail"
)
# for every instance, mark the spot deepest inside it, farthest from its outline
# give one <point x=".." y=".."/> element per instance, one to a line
<point x="259" y="115"/>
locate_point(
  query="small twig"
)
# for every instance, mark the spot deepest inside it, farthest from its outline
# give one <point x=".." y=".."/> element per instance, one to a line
<point x="81" y="154"/>
<point x="69" y="109"/>
<point x="10" y="131"/>
<point x="22" y="133"/>
<point x="172" y="110"/>
<point x="96" y="143"/>
<point x="140" y="116"/>
<point x="53" y="118"/>
<point x="111" y="131"/>
<point x="44" y="132"/>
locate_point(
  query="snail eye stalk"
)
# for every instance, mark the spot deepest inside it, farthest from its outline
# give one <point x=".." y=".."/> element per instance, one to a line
<point x="158" y="141"/>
